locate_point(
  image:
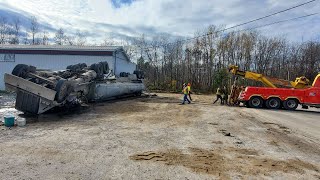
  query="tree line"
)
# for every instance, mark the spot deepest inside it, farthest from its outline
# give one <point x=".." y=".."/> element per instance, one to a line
<point x="32" y="33"/>
<point x="12" y="32"/>
<point x="203" y="61"/>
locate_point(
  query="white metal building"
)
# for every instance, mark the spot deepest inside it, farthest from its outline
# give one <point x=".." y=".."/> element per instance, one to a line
<point x="59" y="57"/>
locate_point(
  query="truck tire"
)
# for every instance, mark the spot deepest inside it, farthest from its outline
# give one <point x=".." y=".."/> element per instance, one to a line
<point x="98" y="68"/>
<point x="290" y="104"/>
<point x="139" y="74"/>
<point x="105" y="66"/>
<point x="63" y="89"/>
<point x="256" y="102"/>
<point x="273" y="103"/>
<point x="21" y="70"/>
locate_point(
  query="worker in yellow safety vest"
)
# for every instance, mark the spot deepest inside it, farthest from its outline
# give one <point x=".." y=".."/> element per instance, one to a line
<point x="185" y="94"/>
<point x="219" y="96"/>
<point x="189" y="91"/>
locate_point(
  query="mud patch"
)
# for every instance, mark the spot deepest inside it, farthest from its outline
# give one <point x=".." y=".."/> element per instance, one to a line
<point x="246" y="116"/>
<point x="219" y="163"/>
<point x="200" y="161"/>
<point x="120" y="107"/>
<point x="274" y="143"/>
<point x="278" y="126"/>
<point x="217" y="142"/>
<point x="243" y="151"/>
<point x="161" y="100"/>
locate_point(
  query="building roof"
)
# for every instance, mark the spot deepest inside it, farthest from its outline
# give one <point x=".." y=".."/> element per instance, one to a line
<point x="63" y="50"/>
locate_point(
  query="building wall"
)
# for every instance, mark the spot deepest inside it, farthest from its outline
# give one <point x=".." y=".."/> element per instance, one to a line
<point x="123" y="65"/>
<point x="59" y="62"/>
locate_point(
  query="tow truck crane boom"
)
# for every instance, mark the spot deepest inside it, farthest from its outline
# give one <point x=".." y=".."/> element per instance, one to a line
<point x="299" y="83"/>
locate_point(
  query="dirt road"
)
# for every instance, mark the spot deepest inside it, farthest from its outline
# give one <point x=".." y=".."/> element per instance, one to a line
<point x="156" y="138"/>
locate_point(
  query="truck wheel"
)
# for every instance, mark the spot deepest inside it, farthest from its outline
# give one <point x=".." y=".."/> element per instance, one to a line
<point x="273" y="103"/>
<point x="105" y="67"/>
<point x="63" y="89"/>
<point x="256" y="102"/>
<point x="290" y="104"/>
<point x="21" y="70"/>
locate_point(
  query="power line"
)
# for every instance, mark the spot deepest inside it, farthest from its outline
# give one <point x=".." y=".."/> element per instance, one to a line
<point x="248" y="22"/>
<point x="278" y="22"/>
<point x="257" y="27"/>
<point x="265" y="25"/>
<point x="270" y="15"/>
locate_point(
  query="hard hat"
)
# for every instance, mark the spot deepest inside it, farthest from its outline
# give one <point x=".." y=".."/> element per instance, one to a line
<point x="189" y="84"/>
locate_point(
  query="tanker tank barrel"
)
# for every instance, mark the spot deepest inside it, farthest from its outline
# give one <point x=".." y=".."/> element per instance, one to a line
<point x="77" y="84"/>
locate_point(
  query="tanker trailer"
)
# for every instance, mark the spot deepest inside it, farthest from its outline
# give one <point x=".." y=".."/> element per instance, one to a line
<point x="39" y="91"/>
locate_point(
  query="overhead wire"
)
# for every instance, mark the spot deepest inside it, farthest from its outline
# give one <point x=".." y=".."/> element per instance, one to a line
<point x="257" y="27"/>
<point x="248" y="22"/>
<point x="278" y="22"/>
<point x="257" y="19"/>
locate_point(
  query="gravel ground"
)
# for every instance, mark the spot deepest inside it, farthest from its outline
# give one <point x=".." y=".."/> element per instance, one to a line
<point x="156" y="138"/>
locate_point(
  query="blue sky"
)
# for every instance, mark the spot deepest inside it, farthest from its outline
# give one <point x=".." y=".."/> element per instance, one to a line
<point x="119" y="3"/>
<point x="178" y="18"/>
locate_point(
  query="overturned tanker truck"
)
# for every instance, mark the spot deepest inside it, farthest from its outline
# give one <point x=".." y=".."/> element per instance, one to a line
<point x="39" y="91"/>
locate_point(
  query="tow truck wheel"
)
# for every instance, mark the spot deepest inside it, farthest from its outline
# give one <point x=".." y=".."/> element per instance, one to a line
<point x="256" y="102"/>
<point x="290" y="104"/>
<point x="273" y="103"/>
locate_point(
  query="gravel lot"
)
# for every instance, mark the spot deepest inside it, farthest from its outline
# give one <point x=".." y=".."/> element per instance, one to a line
<point x="156" y="138"/>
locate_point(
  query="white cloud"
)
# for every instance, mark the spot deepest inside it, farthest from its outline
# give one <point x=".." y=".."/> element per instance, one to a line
<point x="176" y="17"/>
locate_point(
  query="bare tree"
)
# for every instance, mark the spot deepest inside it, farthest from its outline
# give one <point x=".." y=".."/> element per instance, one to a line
<point x="3" y="30"/>
<point x="45" y="38"/>
<point x="15" y="32"/>
<point x="70" y="40"/>
<point x="129" y="48"/>
<point x="108" y="42"/>
<point x="60" y="37"/>
<point x="169" y="62"/>
<point x="34" y="29"/>
<point x="26" y="40"/>
<point x="80" y="38"/>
